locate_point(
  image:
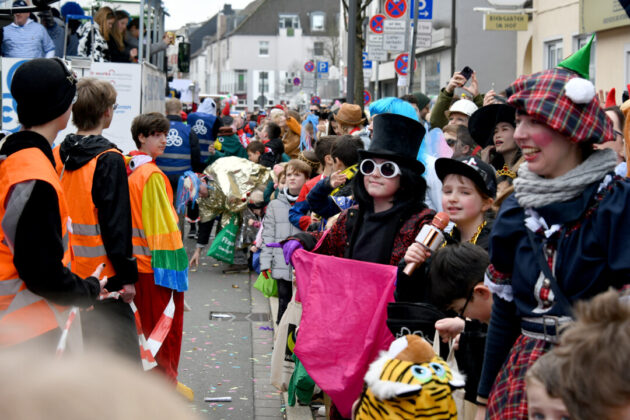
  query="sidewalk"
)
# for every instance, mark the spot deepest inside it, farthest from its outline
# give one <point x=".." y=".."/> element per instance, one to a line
<point x="298" y="412"/>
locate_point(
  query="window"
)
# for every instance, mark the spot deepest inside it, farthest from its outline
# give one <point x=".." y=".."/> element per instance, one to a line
<point x="318" y="49"/>
<point x="289" y="22"/>
<point x="263" y="48"/>
<point x="318" y="21"/>
<point x="241" y="81"/>
<point x="553" y="53"/>
<point x="263" y="82"/>
<point x="578" y="42"/>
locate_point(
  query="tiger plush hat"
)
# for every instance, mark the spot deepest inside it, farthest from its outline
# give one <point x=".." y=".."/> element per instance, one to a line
<point x="409" y="381"/>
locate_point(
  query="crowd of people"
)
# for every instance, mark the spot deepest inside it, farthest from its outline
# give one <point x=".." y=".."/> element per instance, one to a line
<point x="106" y="36"/>
<point x="527" y="186"/>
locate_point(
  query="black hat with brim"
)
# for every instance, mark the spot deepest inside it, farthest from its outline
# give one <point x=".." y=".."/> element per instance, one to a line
<point x="471" y="167"/>
<point x="482" y="122"/>
<point x="397" y="138"/>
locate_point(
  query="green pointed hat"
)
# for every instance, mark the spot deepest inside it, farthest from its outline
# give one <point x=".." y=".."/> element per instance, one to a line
<point x="580" y="60"/>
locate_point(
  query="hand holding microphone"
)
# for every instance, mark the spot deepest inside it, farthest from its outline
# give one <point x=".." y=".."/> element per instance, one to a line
<point x="430" y="238"/>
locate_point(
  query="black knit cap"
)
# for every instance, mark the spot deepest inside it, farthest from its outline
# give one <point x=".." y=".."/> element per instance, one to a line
<point x="43" y="89"/>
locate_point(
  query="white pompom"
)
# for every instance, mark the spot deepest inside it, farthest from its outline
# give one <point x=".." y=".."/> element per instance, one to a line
<point x="580" y="91"/>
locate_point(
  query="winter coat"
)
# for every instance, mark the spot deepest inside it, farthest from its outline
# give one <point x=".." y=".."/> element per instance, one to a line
<point x="276" y="228"/>
<point x="291" y="138"/>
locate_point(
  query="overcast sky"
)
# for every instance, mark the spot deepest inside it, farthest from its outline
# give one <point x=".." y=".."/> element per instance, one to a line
<point x="186" y="11"/>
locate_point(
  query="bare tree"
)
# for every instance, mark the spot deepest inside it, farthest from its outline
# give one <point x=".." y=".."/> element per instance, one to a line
<point x="359" y="45"/>
<point x="331" y="47"/>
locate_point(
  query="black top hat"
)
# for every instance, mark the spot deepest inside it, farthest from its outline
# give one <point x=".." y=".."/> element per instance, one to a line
<point x="482" y="122"/>
<point x="397" y="138"/>
<point x="473" y="168"/>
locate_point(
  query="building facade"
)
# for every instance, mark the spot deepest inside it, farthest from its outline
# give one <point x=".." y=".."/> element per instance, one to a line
<point x="547" y="42"/>
<point x="259" y="53"/>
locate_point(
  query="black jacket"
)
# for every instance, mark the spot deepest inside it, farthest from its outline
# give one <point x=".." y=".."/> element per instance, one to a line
<point x="38" y="250"/>
<point x="269" y="159"/>
<point x="110" y="195"/>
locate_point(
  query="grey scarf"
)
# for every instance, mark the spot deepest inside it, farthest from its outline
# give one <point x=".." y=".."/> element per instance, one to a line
<point x="532" y="190"/>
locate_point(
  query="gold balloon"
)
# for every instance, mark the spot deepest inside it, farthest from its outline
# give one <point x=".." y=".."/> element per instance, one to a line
<point x="231" y="180"/>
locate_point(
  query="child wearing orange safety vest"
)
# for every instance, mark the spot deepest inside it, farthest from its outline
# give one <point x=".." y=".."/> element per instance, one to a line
<point x="157" y="242"/>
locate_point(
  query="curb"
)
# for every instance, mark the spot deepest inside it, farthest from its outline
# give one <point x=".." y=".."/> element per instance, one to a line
<point x="297" y="412"/>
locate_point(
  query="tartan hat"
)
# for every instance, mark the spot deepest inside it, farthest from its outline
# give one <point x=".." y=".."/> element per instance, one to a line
<point x="565" y="102"/>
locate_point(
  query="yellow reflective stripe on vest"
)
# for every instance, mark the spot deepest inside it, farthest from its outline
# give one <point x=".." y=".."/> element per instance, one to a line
<point x="89" y="251"/>
<point x="10" y="287"/>
<point x="85" y="230"/>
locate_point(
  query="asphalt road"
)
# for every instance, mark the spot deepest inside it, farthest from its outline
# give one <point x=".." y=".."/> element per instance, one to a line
<point x="227" y="355"/>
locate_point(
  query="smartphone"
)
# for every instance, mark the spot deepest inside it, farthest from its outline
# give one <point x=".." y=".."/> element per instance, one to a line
<point x="467" y="72"/>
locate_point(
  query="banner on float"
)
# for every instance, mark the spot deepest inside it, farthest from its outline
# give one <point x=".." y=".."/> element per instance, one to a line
<point x="10" y="121"/>
<point x="126" y="79"/>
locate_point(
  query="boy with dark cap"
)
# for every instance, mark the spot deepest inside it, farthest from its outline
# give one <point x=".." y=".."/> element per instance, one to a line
<point x="35" y="278"/>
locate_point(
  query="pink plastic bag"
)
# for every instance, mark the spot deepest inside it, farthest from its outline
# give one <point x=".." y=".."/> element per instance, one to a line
<point x="343" y="326"/>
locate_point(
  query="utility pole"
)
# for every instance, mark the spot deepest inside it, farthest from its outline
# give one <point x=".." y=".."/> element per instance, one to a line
<point x="218" y="56"/>
<point x="352" y="40"/>
<point x="412" y="50"/>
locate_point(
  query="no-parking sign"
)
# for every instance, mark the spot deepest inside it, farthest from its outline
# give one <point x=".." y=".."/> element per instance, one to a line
<point x="309" y="66"/>
<point x="396" y="9"/>
<point x="401" y="64"/>
<point x="376" y="24"/>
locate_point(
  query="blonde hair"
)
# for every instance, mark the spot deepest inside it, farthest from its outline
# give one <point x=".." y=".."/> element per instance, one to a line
<point x="92" y="386"/>
<point x="545" y="370"/>
<point x="94" y="97"/>
<point x="593" y="358"/>
<point x="101" y="17"/>
<point x="173" y="106"/>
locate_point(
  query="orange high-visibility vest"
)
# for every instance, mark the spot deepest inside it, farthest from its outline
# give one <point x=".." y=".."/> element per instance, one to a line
<point x="23" y="314"/>
<point x="137" y="181"/>
<point x="87" y="244"/>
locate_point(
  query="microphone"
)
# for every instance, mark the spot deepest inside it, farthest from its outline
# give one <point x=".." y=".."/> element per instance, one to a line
<point x="430" y="237"/>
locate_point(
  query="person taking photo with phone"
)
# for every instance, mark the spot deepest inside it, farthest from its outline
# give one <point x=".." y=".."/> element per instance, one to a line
<point x="444" y="100"/>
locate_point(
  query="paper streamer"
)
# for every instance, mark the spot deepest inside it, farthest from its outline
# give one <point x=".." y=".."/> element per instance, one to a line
<point x="150" y="347"/>
<point x="61" y="346"/>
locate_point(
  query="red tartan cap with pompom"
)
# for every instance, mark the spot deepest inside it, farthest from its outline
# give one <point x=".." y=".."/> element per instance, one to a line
<point x="543" y="97"/>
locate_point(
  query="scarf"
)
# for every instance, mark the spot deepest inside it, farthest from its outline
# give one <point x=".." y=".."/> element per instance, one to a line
<point x="532" y="190"/>
<point x="291" y="198"/>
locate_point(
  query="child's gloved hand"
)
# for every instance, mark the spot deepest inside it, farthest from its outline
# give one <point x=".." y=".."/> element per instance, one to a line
<point x="288" y="248"/>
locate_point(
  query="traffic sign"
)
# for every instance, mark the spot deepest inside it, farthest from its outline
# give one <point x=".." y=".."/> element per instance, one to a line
<point x="425" y="8"/>
<point x="396" y="9"/>
<point x="322" y="67"/>
<point x="424" y="41"/>
<point x="377" y="54"/>
<point x="400" y="64"/>
<point x="375" y="41"/>
<point x="394" y="42"/>
<point x="367" y="64"/>
<point x="367" y="98"/>
<point x="309" y="66"/>
<point x="424" y="27"/>
<point x="394" y="26"/>
<point x="376" y="23"/>
<point x="297" y="81"/>
<point x="316" y="100"/>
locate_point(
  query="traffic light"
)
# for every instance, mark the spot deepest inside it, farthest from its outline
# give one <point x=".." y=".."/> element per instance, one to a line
<point x="183" y="58"/>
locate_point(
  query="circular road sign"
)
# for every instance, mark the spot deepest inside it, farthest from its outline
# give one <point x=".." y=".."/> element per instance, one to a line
<point x="316" y="100"/>
<point x="309" y="66"/>
<point x="376" y="24"/>
<point x="400" y="64"/>
<point x="367" y="98"/>
<point x="297" y="81"/>
<point x="396" y="9"/>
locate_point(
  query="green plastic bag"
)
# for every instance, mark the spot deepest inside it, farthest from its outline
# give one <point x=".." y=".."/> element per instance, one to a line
<point x="301" y="385"/>
<point x="267" y="285"/>
<point x="222" y="247"/>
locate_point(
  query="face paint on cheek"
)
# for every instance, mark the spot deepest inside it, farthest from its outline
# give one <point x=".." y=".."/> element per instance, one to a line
<point x="542" y="139"/>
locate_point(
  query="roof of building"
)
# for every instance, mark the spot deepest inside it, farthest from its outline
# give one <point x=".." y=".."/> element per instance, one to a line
<point x="262" y="18"/>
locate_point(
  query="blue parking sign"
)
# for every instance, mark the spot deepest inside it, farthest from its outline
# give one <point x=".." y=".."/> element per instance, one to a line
<point x="322" y="67"/>
<point x="425" y="8"/>
<point x="367" y="64"/>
